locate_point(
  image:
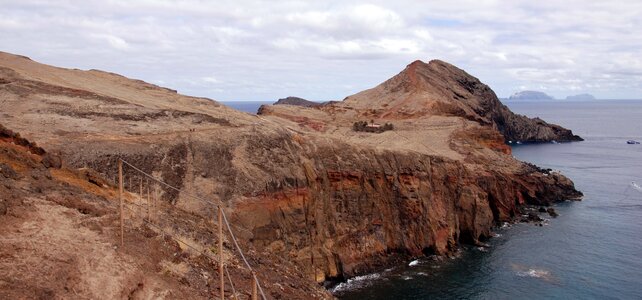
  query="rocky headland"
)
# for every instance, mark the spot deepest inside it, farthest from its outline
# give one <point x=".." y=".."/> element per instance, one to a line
<point x="580" y="97"/>
<point x="301" y="184"/>
<point x="530" y="95"/>
<point x="297" y="101"/>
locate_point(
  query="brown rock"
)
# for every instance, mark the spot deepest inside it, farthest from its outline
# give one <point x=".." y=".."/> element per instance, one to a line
<point x="51" y="161"/>
<point x="7" y="172"/>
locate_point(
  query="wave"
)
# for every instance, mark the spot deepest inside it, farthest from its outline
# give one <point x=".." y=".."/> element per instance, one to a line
<point x="414" y="263"/>
<point x="523" y="271"/>
<point x="536" y="273"/>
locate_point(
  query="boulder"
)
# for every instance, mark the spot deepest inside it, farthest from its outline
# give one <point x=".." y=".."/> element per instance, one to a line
<point x="8" y="172"/>
<point x="551" y="211"/>
<point x="51" y="161"/>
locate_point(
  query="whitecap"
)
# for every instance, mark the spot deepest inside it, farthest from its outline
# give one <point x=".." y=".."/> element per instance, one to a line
<point x="355" y="283"/>
<point x="536" y="273"/>
<point x="414" y="263"/>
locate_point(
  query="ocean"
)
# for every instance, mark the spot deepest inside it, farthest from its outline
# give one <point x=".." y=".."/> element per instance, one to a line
<point x="246" y="106"/>
<point x="593" y="250"/>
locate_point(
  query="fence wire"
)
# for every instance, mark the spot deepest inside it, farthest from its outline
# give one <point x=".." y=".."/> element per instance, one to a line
<point x="217" y="205"/>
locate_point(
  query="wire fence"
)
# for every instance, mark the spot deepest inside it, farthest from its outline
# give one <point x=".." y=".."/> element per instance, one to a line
<point x="227" y="225"/>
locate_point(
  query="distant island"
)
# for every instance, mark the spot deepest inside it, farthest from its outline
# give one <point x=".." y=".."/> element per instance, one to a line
<point x="297" y="101"/>
<point x="581" y="97"/>
<point x="530" y="95"/>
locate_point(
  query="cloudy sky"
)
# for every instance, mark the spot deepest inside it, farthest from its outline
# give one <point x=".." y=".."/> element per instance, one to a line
<point x="326" y="50"/>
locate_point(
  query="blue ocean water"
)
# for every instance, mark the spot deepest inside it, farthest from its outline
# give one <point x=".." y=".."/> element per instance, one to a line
<point x="246" y="106"/>
<point x="593" y="250"/>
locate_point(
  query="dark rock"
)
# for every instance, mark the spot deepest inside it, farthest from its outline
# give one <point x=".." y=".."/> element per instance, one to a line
<point x="8" y="172"/>
<point x="551" y="211"/>
<point x="52" y="161"/>
<point x="297" y="101"/>
<point x="533" y="217"/>
<point x="542" y="209"/>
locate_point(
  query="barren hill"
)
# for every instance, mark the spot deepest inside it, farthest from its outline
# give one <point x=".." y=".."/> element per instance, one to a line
<point x="424" y="90"/>
<point x="300" y="182"/>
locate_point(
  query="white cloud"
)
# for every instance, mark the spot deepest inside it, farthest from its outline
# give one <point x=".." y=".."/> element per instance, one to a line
<point x="329" y="49"/>
<point x="210" y="79"/>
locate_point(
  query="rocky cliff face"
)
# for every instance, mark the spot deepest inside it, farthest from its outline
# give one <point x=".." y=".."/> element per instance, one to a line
<point x="299" y="182"/>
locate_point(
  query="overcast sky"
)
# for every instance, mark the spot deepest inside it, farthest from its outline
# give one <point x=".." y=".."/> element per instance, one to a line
<point x="326" y="50"/>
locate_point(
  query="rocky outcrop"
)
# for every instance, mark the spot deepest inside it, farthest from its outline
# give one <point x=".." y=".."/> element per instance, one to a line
<point x="297" y="101"/>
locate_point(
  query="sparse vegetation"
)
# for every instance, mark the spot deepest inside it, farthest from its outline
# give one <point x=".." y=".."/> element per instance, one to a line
<point x="371" y="127"/>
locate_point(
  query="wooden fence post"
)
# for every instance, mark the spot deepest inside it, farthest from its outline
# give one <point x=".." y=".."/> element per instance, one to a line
<point x="254" y="291"/>
<point x="155" y="202"/>
<point x="220" y="250"/>
<point x="120" y="196"/>
<point x="149" y="216"/>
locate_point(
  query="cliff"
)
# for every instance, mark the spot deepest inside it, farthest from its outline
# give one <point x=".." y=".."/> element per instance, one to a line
<point x="298" y="181"/>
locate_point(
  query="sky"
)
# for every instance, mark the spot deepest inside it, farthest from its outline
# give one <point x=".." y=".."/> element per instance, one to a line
<point x="327" y="50"/>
